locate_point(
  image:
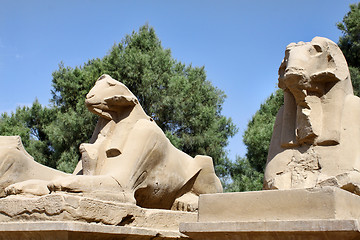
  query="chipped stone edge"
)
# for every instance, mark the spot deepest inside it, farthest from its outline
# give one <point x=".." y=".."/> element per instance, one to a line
<point x="321" y="225"/>
<point x="70" y="226"/>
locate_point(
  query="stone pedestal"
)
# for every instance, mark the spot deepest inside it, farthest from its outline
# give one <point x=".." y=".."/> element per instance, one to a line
<point x="65" y="216"/>
<point x="326" y="213"/>
<point x="59" y="230"/>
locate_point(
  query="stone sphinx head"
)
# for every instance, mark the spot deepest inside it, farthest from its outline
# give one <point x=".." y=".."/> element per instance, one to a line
<point x="315" y="79"/>
<point x="109" y="96"/>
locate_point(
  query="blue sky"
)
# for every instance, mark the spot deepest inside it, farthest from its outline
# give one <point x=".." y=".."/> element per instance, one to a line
<point x="240" y="43"/>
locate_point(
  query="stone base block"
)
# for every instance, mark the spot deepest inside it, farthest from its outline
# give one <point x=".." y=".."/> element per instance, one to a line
<point x="273" y="230"/>
<point x="67" y="207"/>
<point x="323" y="213"/>
<point x="294" y="204"/>
<point x="78" y="231"/>
<point x="67" y="216"/>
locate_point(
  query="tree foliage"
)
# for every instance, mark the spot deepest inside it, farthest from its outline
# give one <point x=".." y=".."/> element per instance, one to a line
<point x="257" y="136"/>
<point x="179" y="98"/>
<point x="247" y="173"/>
<point x="244" y="177"/>
<point x="30" y="124"/>
<point x="350" y="41"/>
<point x="355" y="79"/>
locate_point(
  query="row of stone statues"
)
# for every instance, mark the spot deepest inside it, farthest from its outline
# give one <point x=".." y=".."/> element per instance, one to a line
<point x="129" y="159"/>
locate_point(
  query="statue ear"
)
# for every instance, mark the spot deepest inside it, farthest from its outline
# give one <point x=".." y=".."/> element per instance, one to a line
<point x="121" y="100"/>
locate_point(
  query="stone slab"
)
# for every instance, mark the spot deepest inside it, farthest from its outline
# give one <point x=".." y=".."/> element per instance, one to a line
<point x="294" y="204"/>
<point x="77" y="231"/>
<point x="298" y="214"/>
<point x="274" y="230"/>
<point x="66" y="216"/>
<point x="67" y="207"/>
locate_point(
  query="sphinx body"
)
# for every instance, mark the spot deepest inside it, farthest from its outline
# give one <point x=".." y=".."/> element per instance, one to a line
<point x="16" y="165"/>
<point x="129" y="158"/>
<point x="317" y="132"/>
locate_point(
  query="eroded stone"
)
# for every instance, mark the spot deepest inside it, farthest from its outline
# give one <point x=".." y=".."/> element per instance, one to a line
<point x="317" y="131"/>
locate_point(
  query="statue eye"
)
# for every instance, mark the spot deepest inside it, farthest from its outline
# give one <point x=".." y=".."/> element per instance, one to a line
<point x="111" y="83"/>
<point x="317" y="48"/>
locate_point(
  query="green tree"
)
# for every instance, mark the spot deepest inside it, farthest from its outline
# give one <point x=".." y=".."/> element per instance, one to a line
<point x="30" y="123"/>
<point x="73" y="123"/>
<point x="257" y="136"/>
<point x="247" y="173"/>
<point x="355" y="79"/>
<point x="244" y="177"/>
<point x="350" y="41"/>
<point x="178" y="97"/>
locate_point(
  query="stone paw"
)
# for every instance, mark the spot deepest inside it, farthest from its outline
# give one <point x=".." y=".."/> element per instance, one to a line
<point x="33" y="187"/>
<point x="65" y="184"/>
<point x="187" y="202"/>
<point x="84" y="184"/>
